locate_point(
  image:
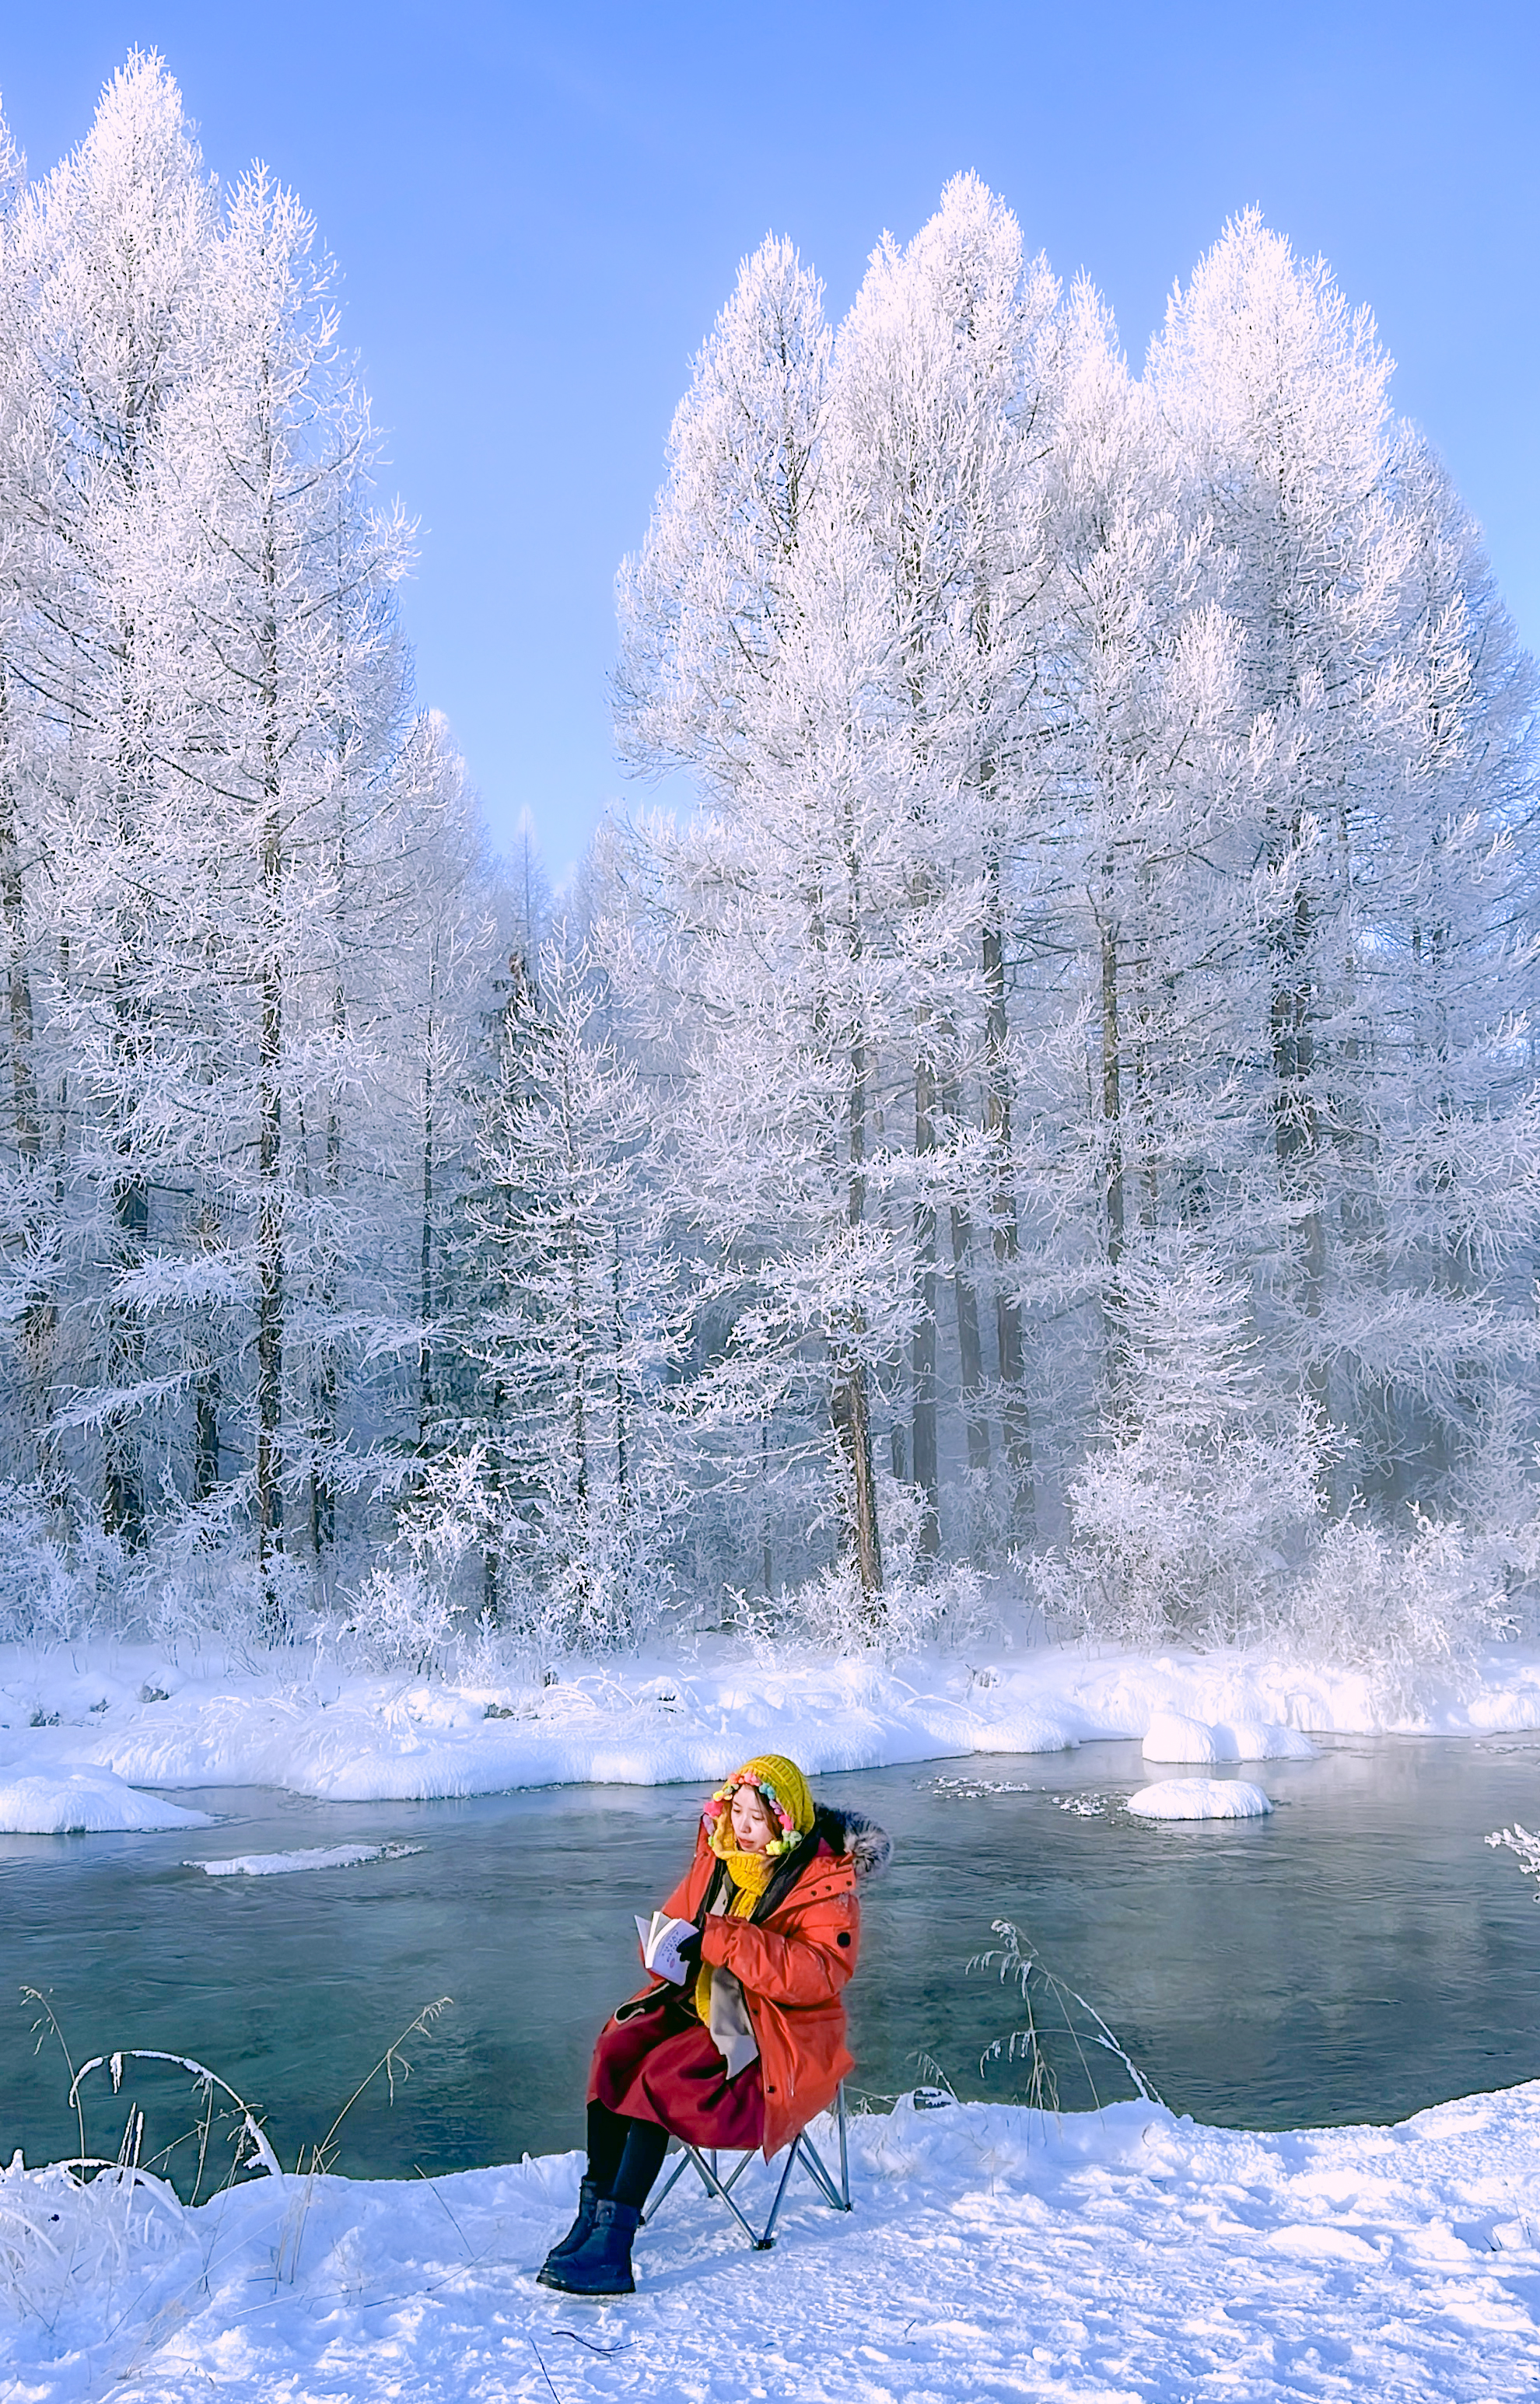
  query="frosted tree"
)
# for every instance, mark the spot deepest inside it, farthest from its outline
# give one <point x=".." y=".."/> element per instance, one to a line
<point x="1142" y="769"/>
<point x="706" y="604"/>
<point x="104" y="265"/>
<point x="1339" y="569"/>
<point x="741" y="660"/>
<point x="245" y="911"/>
<point x="1443" y="1215"/>
<point x="778" y="982"/>
<point x="1188" y="1511"/>
<point x="941" y="397"/>
<point x="29" y="1220"/>
<point x="295" y="699"/>
<point x="563" y="1475"/>
<point x="432" y="927"/>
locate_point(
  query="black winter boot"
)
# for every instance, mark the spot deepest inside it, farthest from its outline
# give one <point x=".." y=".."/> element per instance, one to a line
<point x="601" y="2265"/>
<point x="588" y="2197"/>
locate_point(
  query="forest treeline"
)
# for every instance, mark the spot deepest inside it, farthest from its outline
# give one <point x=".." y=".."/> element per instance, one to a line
<point x="1058" y="1117"/>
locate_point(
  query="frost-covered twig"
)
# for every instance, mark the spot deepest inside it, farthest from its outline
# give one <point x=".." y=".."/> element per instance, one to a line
<point x="47" y="2019"/>
<point x="207" y="2079"/>
<point x="1019" y="1965"/>
<point x="1520" y="1841"/>
<point x="394" y="2065"/>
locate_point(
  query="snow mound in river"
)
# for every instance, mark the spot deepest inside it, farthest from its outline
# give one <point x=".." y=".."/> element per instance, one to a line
<point x="78" y="1798"/>
<point x="304" y="1857"/>
<point x="1199" y="1799"/>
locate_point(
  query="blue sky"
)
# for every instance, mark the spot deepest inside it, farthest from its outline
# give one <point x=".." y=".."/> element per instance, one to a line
<point x="539" y="210"/>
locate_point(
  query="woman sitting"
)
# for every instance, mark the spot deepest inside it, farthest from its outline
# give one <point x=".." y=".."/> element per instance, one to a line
<point x="747" y="2044"/>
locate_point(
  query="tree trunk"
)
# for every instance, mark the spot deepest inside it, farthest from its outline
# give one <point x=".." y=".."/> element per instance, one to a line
<point x="39" y="1319"/>
<point x="853" y="1433"/>
<point x="424" y="1286"/>
<point x="205" y="1454"/>
<point x="123" y="1497"/>
<point x="270" y="1297"/>
<point x="327" y="1374"/>
<point x="623" y="1472"/>
<point x="849" y="1398"/>
<point x="1296" y="1131"/>
<point x="1115" y="1300"/>
<point x="123" y="1494"/>
<point x="1016" y="1422"/>
<point x="970" y="1341"/>
<point x="923" y="1346"/>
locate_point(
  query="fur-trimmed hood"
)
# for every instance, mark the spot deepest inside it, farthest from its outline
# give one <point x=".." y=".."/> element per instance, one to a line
<point x="868" y="1847"/>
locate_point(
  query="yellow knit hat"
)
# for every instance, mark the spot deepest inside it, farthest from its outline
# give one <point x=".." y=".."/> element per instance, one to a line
<point x="784" y="1790"/>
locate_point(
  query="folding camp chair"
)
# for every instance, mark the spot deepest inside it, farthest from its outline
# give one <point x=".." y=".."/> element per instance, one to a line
<point x="836" y="2193"/>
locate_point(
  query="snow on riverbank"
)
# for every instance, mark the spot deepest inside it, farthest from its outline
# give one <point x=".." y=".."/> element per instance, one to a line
<point x="314" y="1730"/>
<point x="66" y="1799"/>
<point x="1171" y="1737"/>
<point x="1123" y="2257"/>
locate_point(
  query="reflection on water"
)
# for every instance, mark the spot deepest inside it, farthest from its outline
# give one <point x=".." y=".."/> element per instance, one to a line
<point x="1359" y="1955"/>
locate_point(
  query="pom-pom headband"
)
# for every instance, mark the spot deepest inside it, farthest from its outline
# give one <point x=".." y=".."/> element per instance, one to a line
<point x="720" y="1808"/>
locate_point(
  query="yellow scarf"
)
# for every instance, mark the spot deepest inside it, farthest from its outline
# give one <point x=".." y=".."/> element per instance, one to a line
<point x="751" y="1873"/>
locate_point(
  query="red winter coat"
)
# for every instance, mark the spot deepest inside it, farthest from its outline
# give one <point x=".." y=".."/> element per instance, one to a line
<point x="792" y="1968"/>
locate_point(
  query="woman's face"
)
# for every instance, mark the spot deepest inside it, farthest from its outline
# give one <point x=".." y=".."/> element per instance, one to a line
<point x="752" y="1823"/>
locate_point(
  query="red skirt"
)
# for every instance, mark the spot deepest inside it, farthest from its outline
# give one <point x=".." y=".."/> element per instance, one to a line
<point x="660" y="2064"/>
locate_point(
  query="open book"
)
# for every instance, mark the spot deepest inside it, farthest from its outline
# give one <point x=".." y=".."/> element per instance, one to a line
<point x="660" y="1942"/>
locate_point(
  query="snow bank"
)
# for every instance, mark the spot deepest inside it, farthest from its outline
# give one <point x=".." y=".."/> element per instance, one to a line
<point x="1200" y="1799"/>
<point x="71" y="1801"/>
<point x="308" y="1727"/>
<point x="304" y="1857"/>
<point x="1124" y="2256"/>
<point x="1172" y="1737"/>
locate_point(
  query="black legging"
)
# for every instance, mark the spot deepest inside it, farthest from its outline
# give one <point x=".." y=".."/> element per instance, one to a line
<point x="625" y="2156"/>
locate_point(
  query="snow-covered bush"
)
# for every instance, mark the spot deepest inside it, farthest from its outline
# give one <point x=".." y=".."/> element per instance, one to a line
<point x="1183" y="1517"/>
<point x="400" y="1618"/>
<point x="42" y="1594"/>
<point x="73" y="2248"/>
<point x="1411" y="1612"/>
<point x="830" y="1613"/>
<point x="468" y="1535"/>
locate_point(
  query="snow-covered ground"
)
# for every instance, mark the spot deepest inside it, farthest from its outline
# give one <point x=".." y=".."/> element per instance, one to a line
<point x="43" y="1797"/>
<point x="69" y="1715"/>
<point x="1115" y="2257"/>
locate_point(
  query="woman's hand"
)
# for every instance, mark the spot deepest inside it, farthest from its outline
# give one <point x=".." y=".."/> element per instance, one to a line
<point x="809" y="1967"/>
<point x="677" y="1956"/>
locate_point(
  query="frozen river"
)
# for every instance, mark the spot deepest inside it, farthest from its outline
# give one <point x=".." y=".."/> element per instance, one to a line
<point x="1356" y="1956"/>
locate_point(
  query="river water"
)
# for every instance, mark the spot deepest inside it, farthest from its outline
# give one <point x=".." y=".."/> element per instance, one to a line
<point x="1356" y="1956"/>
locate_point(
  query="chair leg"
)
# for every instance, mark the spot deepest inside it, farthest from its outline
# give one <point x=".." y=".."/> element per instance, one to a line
<point x="814" y="2166"/>
<point x="725" y="2194"/>
<point x="763" y="2244"/>
<point x="681" y="2165"/>
<point x="836" y="2194"/>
